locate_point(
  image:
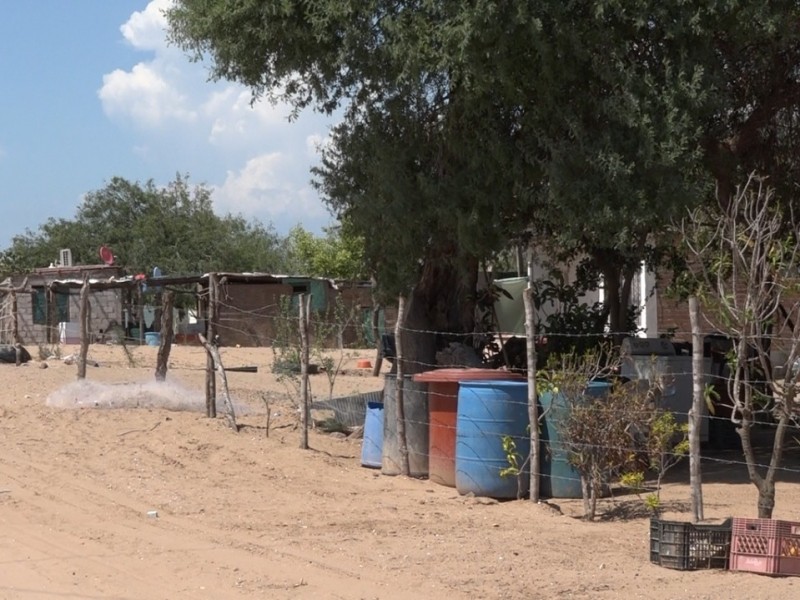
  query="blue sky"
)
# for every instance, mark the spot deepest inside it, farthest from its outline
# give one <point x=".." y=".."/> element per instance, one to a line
<point x="91" y="90"/>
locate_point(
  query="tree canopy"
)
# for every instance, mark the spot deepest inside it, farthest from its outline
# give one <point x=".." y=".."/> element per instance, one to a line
<point x="412" y="167"/>
<point x="592" y="123"/>
<point x="172" y="227"/>
<point x="336" y="255"/>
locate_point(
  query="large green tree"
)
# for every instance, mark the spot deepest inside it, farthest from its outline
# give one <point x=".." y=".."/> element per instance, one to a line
<point x="172" y="227"/>
<point x="594" y="123"/>
<point x="413" y="165"/>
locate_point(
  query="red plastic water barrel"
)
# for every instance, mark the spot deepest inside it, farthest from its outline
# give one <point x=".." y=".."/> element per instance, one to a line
<point x="443" y="412"/>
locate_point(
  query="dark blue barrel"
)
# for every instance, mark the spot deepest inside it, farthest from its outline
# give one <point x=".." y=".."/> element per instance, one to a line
<point x="559" y="479"/>
<point x="487" y="412"/>
<point x="372" y="444"/>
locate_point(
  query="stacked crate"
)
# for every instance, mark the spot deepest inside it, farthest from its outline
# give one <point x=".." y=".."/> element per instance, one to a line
<point x="767" y="546"/>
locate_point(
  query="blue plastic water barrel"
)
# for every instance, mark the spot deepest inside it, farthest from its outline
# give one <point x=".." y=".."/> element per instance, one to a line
<point x="559" y="479"/>
<point x="152" y="338"/>
<point x="372" y="444"/>
<point x="487" y="412"/>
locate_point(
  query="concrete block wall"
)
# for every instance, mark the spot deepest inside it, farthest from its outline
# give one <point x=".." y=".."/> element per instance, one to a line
<point x="105" y="306"/>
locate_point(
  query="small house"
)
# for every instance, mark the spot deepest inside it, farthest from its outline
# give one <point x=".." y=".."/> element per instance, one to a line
<point x="48" y="306"/>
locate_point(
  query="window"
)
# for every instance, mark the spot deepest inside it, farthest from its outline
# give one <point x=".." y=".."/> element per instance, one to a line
<point x="39" y="299"/>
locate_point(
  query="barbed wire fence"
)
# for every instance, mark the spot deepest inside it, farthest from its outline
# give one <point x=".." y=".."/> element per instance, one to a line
<point x="271" y="330"/>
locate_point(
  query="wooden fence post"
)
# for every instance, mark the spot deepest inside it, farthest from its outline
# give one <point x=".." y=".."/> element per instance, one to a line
<point x="211" y="330"/>
<point x="15" y="328"/>
<point x="165" y="344"/>
<point x="305" y="304"/>
<point x="376" y="334"/>
<point x="140" y="312"/>
<point x="405" y="467"/>
<point x="84" y="323"/>
<point x="51" y="316"/>
<point x="213" y="352"/>
<point x="15" y="338"/>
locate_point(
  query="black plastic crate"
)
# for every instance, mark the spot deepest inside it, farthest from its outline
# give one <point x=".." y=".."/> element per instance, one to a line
<point x="686" y="547"/>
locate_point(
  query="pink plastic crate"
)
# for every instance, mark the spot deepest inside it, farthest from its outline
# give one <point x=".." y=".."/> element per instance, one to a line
<point x="765" y="546"/>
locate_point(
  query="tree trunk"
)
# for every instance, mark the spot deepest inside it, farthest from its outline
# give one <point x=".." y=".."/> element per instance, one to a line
<point x="749" y="454"/>
<point x="766" y="499"/>
<point x="376" y="334"/>
<point x="766" y="491"/>
<point x="618" y="275"/>
<point x="533" y="404"/>
<point x="595" y="495"/>
<point x="613" y="299"/>
<point x="442" y="303"/>
<point x="695" y="476"/>
<point x="586" y="492"/>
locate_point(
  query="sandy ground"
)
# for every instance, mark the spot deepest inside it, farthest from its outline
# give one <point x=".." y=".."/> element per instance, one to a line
<point x="246" y="515"/>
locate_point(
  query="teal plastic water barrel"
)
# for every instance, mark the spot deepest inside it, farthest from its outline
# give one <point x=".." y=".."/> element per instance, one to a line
<point x="559" y="479"/>
<point x="487" y="412"/>
<point x="152" y="338"/>
<point x="415" y="405"/>
<point x="372" y="444"/>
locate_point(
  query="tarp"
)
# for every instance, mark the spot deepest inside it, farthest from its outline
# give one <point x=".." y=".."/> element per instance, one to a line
<point x="511" y="311"/>
<point x="8" y="354"/>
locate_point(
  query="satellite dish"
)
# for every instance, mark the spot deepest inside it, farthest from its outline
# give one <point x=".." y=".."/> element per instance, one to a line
<point x="106" y="255"/>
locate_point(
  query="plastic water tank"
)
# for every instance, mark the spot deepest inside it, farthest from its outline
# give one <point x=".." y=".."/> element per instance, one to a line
<point x="372" y="444"/>
<point x="488" y="411"/>
<point x="559" y="479"/>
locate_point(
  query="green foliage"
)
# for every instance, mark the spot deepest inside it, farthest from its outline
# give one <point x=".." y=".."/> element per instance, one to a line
<point x="653" y="503"/>
<point x="466" y="125"/>
<point x="286" y="344"/>
<point x="172" y="227"/>
<point x="413" y="167"/>
<point x="329" y="330"/>
<point x="512" y="456"/>
<point x="665" y="443"/>
<point x="710" y="397"/>
<point x="337" y="255"/>
<point x="572" y="325"/>
<point x="633" y="480"/>
<point x="607" y="437"/>
<point x="326" y="333"/>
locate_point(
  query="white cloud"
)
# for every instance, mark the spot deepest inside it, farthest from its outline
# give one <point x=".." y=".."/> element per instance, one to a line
<point x="254" y="159"/>
<point x="260" y="188"/>
<point x="145" y="30"/>
<point x="144" y="96"/>
<point x="233" y="115"/>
